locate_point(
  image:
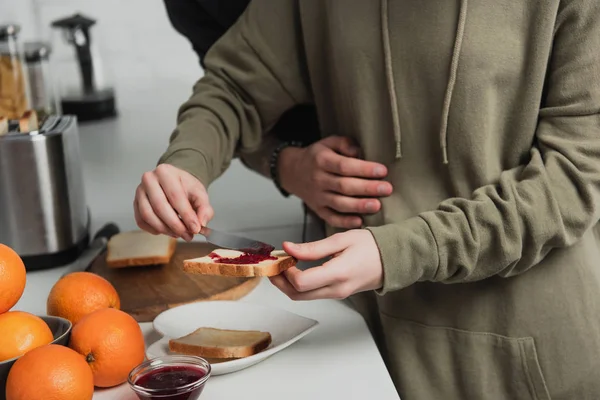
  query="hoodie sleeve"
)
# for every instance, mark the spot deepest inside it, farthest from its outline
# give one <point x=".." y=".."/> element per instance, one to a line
<point x="253" y="74"/>
<point x="551" y="202"/>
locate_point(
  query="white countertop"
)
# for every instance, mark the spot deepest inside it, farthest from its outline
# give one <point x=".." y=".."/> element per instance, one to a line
<point x="339" y="360"/>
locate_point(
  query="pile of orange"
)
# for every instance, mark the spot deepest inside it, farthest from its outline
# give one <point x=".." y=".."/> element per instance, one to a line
<point x="105" y="345"/>
<point x="19" y="331"/>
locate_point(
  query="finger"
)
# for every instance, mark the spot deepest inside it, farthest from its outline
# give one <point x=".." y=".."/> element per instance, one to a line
<point x="328" y="292"/>
<point x="149" y="217"/>
<point x="143" y="225"/>
<point x="357" y="187"/>
<point x="176" y="195"/>
<point x="354" y="167"/>
<point x="198" y="197"/>
<point x="316" y="277"/>
<point x="338" y="220"/>
<point x="342" y="144"/>
<point x="162" y="208"/>
<point x="200" y="202"/>
<point x="281" y="283"/>
<point x="346" y="204"/>
<point x="317" y="250"/>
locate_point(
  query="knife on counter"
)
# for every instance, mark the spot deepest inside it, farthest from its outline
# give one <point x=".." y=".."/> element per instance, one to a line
<point x="95" y="248"/>
<point x="234" y="242"/>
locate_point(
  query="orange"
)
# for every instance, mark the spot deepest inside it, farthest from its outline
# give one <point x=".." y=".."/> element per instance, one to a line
<point x="112" y="343"/>
<point x="50" y="372"/>
<point x="12" y="278"/>
<point x="79" y="294"/>
<point x="21" y="332"/>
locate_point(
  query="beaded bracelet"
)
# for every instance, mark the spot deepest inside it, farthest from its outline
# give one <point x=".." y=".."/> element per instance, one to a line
<point x="274" y="162"/>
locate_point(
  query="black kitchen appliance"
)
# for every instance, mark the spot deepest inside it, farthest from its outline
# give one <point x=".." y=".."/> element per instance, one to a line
<point x="85" y="92"/>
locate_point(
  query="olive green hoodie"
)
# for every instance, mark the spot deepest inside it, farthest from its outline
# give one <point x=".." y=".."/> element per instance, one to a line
<point x="486" y="113"/>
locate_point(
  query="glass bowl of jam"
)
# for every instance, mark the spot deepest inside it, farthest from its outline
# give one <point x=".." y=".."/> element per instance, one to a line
<point x="174" y="377"/>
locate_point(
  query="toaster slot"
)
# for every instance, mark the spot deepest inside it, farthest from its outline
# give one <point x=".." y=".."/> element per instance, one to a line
<point x="50" y="123"/>
<point x="28" y="124"/>
<point x="9" y="127"/>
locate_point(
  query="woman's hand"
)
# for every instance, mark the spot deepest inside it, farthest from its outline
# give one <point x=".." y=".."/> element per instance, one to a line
<point x="355" y="267"/>
<point x="333" y="182"/>
<point x="172" y="202"/>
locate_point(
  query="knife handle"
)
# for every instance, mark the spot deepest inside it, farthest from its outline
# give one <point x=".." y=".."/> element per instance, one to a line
<point x="107" y="231"/>
<point x="94" y="249"/>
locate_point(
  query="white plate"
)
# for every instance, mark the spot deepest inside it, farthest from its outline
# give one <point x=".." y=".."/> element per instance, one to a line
<point x="285" y="327"/>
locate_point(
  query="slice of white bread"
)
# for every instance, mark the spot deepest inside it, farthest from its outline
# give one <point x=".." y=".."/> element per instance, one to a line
<point x="139" y="248"/>
<point x="28" y="122"/>
<point x="213" y="343"/>
<point x="208" y="266"/>
<point x="3" y="125"/>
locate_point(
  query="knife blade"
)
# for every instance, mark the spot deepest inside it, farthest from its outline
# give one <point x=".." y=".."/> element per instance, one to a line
<point x="234" y="242"/>
<point x="96" y="247"/>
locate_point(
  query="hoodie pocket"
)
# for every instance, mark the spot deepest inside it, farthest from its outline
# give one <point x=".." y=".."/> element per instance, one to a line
<point x="432" y="363"/>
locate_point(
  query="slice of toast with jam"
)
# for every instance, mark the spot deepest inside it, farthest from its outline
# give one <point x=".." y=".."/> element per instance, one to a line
<point x="234" y="263"/>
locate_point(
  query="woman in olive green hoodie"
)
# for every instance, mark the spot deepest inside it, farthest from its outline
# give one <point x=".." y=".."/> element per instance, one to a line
<point x="480" y="276"/>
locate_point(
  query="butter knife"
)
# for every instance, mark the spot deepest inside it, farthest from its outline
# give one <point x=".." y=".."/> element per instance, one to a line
<point x="234" y="242"/>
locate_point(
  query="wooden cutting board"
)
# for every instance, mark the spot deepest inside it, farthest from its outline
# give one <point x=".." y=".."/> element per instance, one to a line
<point x="147" y="291"/>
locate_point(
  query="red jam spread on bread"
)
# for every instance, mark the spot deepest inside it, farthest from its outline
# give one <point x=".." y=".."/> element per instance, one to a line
<point x="263" y="249"/>
<point x="246" y="258"/>
<point x="167" y="382"/>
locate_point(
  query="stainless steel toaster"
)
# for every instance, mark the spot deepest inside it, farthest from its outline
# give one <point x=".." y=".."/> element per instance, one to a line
<point x="43" y="211"/>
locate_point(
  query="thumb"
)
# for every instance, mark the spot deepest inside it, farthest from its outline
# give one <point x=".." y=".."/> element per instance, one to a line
<point x="342" y="144"/>
<point x="313" y="251"/>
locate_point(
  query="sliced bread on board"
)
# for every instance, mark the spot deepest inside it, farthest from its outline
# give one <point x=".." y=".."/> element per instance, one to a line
<point x="139" y="248"/>
<point x="235" y="263"/>
<point x="213" y="343"/>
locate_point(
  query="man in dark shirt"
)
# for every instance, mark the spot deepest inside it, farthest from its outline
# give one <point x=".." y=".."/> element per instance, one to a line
<point x="203" y="22"/>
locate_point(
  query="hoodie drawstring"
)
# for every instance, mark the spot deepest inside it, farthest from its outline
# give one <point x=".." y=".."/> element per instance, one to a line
<point x="389" y="74"/>
<point x="460" y="31"/>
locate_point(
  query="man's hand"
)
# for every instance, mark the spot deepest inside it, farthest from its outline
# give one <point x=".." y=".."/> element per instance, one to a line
<point x="333" y="182"/>
<point x="172" y="202"/>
